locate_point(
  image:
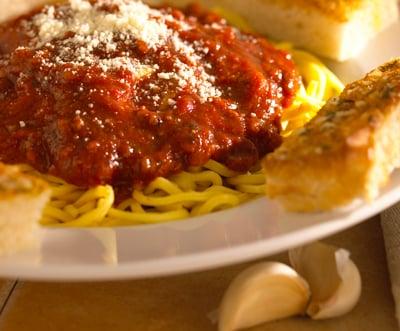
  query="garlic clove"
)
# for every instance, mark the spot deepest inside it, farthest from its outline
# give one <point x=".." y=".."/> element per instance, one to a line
<point x="265" y="292"/>
<point x="334" y="279"/>
<point x="347" y="295"/>
<point x="310" y="262"/>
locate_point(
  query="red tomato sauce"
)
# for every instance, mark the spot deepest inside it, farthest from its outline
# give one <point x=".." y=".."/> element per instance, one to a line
<point x="91" y="126"/>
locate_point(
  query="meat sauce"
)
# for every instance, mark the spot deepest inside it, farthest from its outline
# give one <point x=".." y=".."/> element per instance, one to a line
<point x="133" y="109"/>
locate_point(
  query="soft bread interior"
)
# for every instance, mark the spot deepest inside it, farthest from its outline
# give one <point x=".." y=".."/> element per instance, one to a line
<point x="22" y="199"/>
<point x="19" y="222"/>
<point x="309" y="28"/>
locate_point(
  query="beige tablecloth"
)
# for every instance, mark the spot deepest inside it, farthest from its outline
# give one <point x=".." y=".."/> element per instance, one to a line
<point x="182" y="303"/>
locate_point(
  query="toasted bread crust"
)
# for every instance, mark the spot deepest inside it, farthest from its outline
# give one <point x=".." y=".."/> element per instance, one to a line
<point x="347" y="151"/>
<point x="338" y="10"/>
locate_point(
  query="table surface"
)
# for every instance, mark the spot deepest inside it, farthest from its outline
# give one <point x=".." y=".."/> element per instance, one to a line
<point x="184" y="302"/>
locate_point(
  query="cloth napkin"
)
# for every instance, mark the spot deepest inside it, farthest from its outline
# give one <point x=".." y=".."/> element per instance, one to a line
<point x="390" y="220"/>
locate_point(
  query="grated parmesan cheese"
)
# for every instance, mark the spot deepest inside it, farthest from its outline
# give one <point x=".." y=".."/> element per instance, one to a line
<point x="85" y="33"/>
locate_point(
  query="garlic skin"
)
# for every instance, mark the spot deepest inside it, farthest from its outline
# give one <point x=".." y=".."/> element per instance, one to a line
<point x="334" y="279"/>
<point x="264" y="292"/>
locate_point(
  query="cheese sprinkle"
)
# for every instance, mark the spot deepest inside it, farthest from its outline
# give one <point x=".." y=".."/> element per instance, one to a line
<point x="90" y="34"/>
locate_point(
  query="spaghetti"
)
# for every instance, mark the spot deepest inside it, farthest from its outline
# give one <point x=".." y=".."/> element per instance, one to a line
<point x="196" y="192"/>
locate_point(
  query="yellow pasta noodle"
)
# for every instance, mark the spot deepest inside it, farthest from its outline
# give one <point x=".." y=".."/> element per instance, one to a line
<point x="197" y="191"/>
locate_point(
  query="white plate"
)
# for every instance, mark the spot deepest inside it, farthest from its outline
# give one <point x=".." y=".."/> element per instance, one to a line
<point x="253" y="230"/>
